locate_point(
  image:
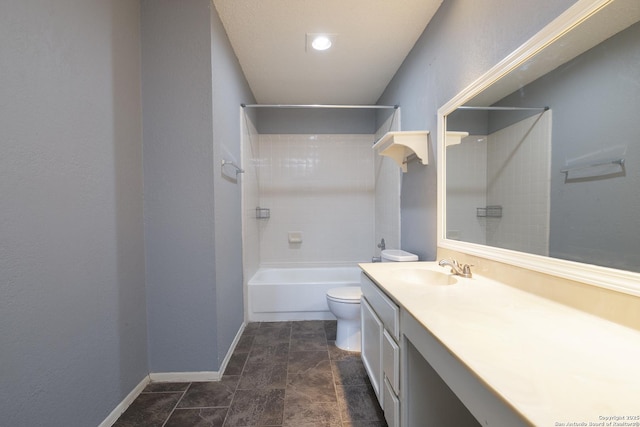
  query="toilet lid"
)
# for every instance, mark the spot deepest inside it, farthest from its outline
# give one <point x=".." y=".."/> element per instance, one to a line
<point x="347" y="293"/>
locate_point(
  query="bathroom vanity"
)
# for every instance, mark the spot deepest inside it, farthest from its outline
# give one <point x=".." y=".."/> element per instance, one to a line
<point x="380" y="332"/>
<point x="519" y="342"/>
<point x="446" y="350"/>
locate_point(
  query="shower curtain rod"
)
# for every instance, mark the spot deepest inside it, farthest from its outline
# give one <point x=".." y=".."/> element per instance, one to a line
<point x="318" y="106"/>
<point x="469" y="107"/>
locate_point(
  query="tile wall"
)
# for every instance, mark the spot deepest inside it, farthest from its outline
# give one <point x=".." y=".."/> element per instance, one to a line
<point x="388" y="183"/>
<point x="250" y="198"/>
<point x="321" y="186"/>
<point x="518" y="179"/>
<point x="515" y="176"/>
<point x="467" y="189"/>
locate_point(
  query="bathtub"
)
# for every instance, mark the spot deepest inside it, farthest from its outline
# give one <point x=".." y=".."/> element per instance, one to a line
<point x="278" y="294"/>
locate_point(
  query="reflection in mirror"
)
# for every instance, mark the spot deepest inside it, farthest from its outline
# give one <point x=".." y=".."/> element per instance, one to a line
<point x="562" y="182"/>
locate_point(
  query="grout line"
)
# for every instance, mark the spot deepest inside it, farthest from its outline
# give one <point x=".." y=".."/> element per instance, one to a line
<point x="333" y="377"/>
<point x="235" y="391"/>
<point x="286" y="381"/>
<point x="176" y="405"/>
<point x="202" y="407"/>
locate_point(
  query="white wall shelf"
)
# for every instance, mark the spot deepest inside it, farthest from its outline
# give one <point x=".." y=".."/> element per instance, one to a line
<point x="400" y="145"/>
<point x="454" y="138"/>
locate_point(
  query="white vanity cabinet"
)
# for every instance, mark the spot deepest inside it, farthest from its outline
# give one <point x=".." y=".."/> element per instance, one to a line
<point x="380" y="318"/>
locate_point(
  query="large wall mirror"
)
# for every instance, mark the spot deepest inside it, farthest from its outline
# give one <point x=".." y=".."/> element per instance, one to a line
<point x="539" y="159"/>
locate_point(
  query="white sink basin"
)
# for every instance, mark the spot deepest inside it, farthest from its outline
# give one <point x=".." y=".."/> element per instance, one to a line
<point x="419" y="276"/>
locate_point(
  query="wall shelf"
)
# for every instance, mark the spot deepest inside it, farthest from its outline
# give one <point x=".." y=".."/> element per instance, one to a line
<point x="400" y="145"/>
<point x="454" y="138"/>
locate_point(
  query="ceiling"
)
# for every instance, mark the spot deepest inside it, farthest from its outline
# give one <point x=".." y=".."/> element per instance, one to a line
<point x="372" y="38"/>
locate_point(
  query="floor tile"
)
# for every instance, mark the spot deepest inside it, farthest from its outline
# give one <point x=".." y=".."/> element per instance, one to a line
<point x="210" y="394"/>
<point x="236" y="363"/>
<point x="309" y="326"/>
<point x="336" y="353"/>
<point x="349" y="371"/>
<point x="303" y="361"/>
<point x="149" y="410"/>
<point x="263" y="375"/>
<point x="308" y="342"/>
<point x="365" y="424"/>
<point x="330" y="329"/>
<point x="280" y="374"/>
<point x="256" y="408"/>
<point x="298" y="413"/>
<point x="314" y="385"/>
<point x="244" y="343"/>
<point x="277" y="325"/>
<point x="272" y="336"/>
<point x="269" y="353"/>
<point x="358" y="403"/>
<point x="200" y="417"/>
<point x="251" y="328"/>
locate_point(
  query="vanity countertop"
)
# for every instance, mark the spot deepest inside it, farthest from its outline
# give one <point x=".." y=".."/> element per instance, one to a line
<point x="552" y="364"/>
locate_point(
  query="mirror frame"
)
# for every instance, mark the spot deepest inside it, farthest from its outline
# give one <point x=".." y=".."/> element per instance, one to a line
<point x="618" y="280"/>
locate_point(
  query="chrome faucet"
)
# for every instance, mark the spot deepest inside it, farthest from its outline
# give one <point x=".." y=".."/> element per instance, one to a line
<point x="456" y="268"/>
<point x="382" y="247"/>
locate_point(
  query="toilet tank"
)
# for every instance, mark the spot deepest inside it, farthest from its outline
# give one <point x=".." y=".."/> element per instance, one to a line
<point x="397" y="255"/>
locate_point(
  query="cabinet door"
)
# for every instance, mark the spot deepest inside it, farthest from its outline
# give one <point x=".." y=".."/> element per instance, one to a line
<point x="371" y="351"/>
<point x="391" y="361"/>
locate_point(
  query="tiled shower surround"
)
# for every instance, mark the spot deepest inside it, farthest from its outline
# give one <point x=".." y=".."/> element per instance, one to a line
<point x="516" y="176"/>
<point x="280" y="374"/>
<point x="322" y="186"/>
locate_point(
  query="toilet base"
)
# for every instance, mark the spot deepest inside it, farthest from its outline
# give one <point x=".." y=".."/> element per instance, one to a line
<point x="348" y="335"/>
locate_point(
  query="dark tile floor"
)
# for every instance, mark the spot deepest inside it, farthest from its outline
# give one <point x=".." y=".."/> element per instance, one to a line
<point x="280" y="374"/>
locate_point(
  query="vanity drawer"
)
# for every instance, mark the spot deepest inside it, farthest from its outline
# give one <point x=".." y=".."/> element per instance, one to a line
<point x="391" y="361"/>
<point x="391" y="406"/>
<point x="386" y="309"/>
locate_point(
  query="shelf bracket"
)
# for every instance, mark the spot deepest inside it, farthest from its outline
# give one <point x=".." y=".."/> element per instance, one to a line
<point x="402" y="144"/>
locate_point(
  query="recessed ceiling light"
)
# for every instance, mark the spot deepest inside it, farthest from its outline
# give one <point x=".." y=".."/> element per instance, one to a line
<point x="321" y="43"/>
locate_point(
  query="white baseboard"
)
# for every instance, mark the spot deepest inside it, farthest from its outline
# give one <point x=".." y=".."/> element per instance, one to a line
<point x="291" y="315"/>
<point x="163" y="377"/>
<point x="159" y="377"/>
<point x="122" y="406"/>
<point x="184" y="377"/>
<point x="232" y="348"/>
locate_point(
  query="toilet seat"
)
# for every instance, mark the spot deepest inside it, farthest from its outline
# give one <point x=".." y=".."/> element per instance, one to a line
<point x="345" y="295"/>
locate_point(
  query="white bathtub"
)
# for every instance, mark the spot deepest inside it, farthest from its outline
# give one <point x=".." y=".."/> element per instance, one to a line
<point x="278" y="294"/>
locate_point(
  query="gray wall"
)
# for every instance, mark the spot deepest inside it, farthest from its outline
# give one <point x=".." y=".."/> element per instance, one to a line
<point x="464" y="39"/>
<point x="192" y="89"/>
<point x="72" y="306"/>
<point x="315" y="121"/>
<point x="230" y="89"/>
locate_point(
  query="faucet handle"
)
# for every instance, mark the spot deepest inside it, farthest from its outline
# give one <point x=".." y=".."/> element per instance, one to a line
<point x="466" y="270"/>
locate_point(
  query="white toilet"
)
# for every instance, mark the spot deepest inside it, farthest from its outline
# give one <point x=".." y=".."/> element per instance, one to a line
<point x="344" y="303"/>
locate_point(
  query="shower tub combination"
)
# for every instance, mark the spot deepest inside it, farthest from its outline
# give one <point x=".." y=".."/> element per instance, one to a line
<point x="279" y="294"/>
